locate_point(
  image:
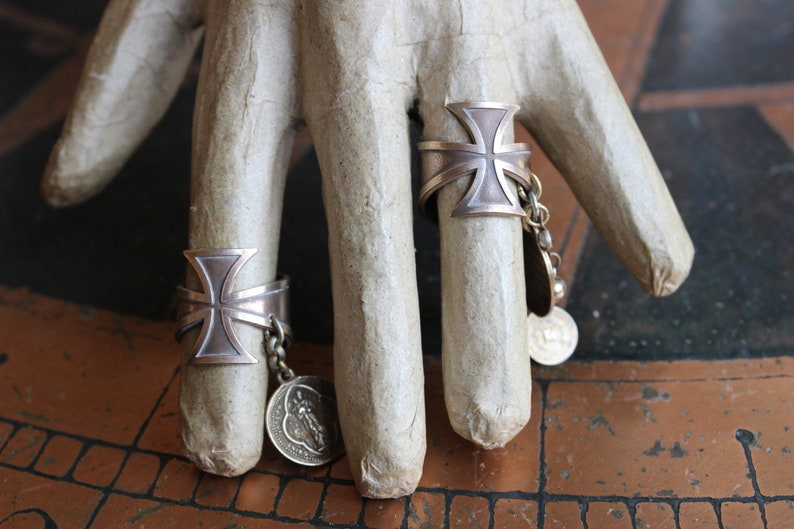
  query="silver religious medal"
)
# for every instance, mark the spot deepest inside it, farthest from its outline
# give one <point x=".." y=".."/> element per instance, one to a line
<point x="301" y="417"/>
<point x="302" y="421"/>
<point x="552" y="338"/>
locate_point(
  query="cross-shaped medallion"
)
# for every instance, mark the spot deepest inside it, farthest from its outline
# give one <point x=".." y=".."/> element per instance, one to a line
<point x="487" y="158"/>
<point x="218" y="306"/>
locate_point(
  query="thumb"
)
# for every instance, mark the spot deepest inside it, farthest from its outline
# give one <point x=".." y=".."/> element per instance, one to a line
<point x="574" y="109"/>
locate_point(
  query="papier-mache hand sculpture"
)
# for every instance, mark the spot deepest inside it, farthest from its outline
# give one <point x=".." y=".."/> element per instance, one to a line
<point x="351" y="70"/>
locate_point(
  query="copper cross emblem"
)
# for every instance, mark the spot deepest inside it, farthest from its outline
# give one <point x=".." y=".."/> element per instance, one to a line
<point x="487" y="158"/>
<point x="218" y="306"/>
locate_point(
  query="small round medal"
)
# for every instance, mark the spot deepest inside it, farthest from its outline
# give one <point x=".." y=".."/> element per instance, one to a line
<point x="552" y="338"/>
<point x="302" y="421"/>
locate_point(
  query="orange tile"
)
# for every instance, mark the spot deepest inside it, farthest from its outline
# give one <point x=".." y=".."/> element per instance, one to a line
<point x="453" y="462"/>
<point x="509" y="514"/>
<point x="177" y="481"/>
<point x="697" y="515"/>
<point x="66" y="504"/>
<point x="562" y="515"/>
<point x="655" y="516"/>
<point x="626" y="40"/>
<point x="162" y="430"/>
<point x="780" y="117"/>
<point x="779" y="514"/>
<point x="667" y="438"/>
<point x="605" y="514"/>
<point x="22" y="449"/>
<point x="384" y="514"/>
<point x="138" y="474"/>
<point x="342" y="505"/>
<point x="425" y="510"/>
<point x="468" y="511"/>
<point x="216" y="491"/>
<point x="300" y="499"/>
<point x="90" y="363"/>
<point x="58" y="456"/>
<point x="258" y="493"/>
<point x="340" y="469"/>
<point x="121" y="511"/>
<point x="737" y="515"/>
<point x="99" y="466"/>
<point x="765" y="413"/>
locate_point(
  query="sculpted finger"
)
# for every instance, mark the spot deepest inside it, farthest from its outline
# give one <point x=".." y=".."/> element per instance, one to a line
<point x="246" y="110"/>
<point x="574" y="109"/>
<point x="486" y="365"/>
<point x="133" y="70"/>
<point x="356" y="108"/>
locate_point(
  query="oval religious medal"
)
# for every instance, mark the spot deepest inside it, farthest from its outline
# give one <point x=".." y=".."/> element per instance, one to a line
<point x="539" y="274"/>
<point x="552" y="338"/>
<point x="302" y="421"/>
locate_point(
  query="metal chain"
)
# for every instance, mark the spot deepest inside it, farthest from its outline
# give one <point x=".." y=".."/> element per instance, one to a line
<point x="276" y="353"/>
<point x="536" y="215"/>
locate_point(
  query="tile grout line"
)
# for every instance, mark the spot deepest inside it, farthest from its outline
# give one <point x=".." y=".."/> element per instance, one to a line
<point x="449" y="494"/>
<point x="108" y="490"/>
<point x="745" y="437"/>
<point x="541" y="494"/>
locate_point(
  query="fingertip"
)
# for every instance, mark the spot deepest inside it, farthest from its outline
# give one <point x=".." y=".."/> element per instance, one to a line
<point x="490" y="425"/>
<point x="221" y="461"/>
<point x="671" y="270"/>
<point x="63" y="186"/>
<point x="384" y="476"/>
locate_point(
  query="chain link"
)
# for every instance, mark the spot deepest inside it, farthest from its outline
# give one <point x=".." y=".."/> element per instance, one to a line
<point x="536" y="215"/>
<point x="276" y="353"/>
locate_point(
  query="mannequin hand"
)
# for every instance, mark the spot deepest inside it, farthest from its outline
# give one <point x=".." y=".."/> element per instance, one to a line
<point x="351" y="70"/>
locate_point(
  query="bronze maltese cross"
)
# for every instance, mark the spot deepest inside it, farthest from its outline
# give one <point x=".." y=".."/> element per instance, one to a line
<point x="486" y="158"/>
<point x="217" y="307"/>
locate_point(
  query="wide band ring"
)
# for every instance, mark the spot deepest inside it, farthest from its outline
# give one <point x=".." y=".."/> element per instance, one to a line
<point x="218" y="306"/>
<point x="486" y="159"/>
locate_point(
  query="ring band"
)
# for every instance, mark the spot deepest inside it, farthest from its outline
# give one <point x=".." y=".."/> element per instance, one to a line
<point x="487" y="158"/>
<point x="218" y="306"/>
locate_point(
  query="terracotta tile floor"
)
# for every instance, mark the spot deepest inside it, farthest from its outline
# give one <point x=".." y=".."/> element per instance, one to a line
<point x="89" y="439"/>
<point x="88" y="396"/>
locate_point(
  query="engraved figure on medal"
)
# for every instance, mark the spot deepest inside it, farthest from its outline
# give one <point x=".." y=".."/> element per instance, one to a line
<point x="552" y="338"/>
<point x="307" y="414"/>
<point x="301" y="417"/>
<point x="302" y="421"/>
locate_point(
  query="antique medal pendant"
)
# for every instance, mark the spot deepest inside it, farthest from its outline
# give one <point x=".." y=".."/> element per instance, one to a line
<point x="552" y="338"/>
<point x="301" y="417"/>
<point x="302" y="421"/>
<point x="551" y="331"/>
